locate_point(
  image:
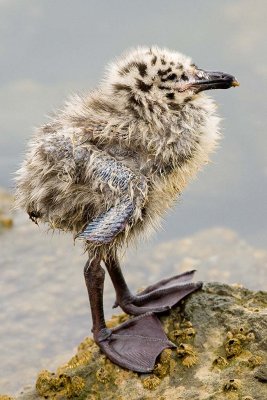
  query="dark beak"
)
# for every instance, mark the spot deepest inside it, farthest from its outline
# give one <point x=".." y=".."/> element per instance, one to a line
<point x="206" y="80"/>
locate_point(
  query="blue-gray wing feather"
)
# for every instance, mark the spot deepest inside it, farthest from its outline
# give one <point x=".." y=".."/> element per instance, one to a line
<point x="108" y="224"/>
<point x="131" y="193"/>
<point x="113" y="172"/>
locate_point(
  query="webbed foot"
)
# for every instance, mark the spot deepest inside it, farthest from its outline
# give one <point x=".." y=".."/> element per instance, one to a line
<point x="135" y="344"/>
<point x="161" y="296"/>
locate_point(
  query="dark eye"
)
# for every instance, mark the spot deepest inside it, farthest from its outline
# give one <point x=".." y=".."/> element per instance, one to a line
<point x="183" y="77"/>
<point x="170" y="77"/>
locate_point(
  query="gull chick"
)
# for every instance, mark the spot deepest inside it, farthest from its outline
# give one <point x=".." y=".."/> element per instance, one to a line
<point x="109" y="165"/>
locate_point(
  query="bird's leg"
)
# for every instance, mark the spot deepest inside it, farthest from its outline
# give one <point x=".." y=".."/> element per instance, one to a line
<point x="124" y="298"/>
<point x="94" y="276"/>
<point x="159" y="297"/>
<point x="136" y="343"/>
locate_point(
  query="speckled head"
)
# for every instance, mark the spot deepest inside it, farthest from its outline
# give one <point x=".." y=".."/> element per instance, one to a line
<point x="146" y="75"/>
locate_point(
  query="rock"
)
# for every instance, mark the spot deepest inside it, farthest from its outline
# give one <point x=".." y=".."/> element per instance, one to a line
<point x="220" y="333"/>
<point x="6" y="204"/>
<point x="6" y="397"/>
<point x="44" y="304"/>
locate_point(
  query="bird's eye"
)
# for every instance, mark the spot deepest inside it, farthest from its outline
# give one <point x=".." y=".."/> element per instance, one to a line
<point x="170" y="77"/>
<point x="183" y="77"/>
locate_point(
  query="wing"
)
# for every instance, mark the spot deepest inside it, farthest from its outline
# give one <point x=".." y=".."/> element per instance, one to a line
<point x="131" y="192"/>
<point x="109" y="224"/>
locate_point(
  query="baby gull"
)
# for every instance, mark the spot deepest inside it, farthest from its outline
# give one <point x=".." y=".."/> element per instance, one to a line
<point x="109" y="165"/>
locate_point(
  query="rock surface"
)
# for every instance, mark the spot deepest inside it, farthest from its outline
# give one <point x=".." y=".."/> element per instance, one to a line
<point x="221" y="338"/>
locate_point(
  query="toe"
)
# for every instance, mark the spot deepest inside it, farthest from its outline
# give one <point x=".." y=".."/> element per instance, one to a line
<point x="139" y="310"/>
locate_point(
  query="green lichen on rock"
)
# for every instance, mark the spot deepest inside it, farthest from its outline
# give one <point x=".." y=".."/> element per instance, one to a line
<point x="220" y="333"/>
<point x="55" y="386"/>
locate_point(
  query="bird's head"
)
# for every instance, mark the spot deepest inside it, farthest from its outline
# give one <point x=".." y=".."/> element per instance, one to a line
<point x="148" y="79"/>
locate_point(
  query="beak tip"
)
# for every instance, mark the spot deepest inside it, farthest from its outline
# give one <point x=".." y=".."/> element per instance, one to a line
<point x="235" y="83"/>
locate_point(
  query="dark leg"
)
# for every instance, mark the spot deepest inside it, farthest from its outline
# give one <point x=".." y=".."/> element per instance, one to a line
<point x="157" y="298"/>
<point x="94" y="278"/>
<point x="136" y="343"/>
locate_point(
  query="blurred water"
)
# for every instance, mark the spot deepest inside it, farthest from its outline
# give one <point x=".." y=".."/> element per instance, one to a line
<point x="50" y="49"/>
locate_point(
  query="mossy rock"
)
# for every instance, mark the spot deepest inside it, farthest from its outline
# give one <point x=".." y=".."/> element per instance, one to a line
<point x="221" y="338"/>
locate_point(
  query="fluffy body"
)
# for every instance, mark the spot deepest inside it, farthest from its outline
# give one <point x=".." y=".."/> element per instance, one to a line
<point x="133" y="138"/>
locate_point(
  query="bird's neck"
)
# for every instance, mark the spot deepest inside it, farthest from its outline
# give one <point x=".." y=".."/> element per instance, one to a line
<point x="175" y="137"/>
<point x="168" y="139"/>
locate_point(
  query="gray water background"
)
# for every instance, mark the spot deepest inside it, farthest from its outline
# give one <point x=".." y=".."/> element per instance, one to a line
<point x="50" y="49"/>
